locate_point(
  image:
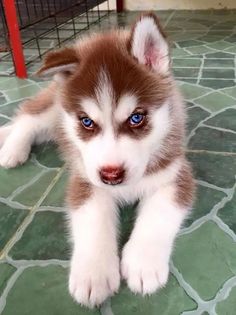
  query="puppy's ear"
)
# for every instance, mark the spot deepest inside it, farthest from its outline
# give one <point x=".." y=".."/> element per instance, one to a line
<point x="62" y="62"/>
<point x="148" y="43"/>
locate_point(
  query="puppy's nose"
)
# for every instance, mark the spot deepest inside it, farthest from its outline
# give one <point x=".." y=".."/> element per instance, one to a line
<point x="112" y="175"/>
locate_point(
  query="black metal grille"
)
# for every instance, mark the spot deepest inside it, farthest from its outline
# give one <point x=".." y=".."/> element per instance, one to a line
<point x="47" y="24"/>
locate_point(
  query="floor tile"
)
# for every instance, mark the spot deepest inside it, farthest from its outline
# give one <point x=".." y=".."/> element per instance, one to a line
<point x="43" y="291"/>
<point x="220" y="45"/>
<point x="230" y="91"/>
<point x="189" y="43"/>
<point x="2" y="99"/>
<point x="6" y="271"/>
<point x="23" y="92"/>
<point x="3" y="120"/>
<point x="218" y="63"/>
<point x="9" y="109"/>
<point x="225" y="120"/>
<point x="44" y="238"/>
<point x="185" y="72"/>
<point x="12" y="179"/>
<point x="13" y="83"/>
<point x="191" y="91"/>
<point x="213" y="259"/>
<point x="195" y="116"/>
<point x="217" y="84"/>
<point x="169" y="301"/>
<point x="219" y="55"/>
<point x="206" y="199"/>
<point x="208" y="167"/>
<point x="30" y="195"/>
<point x="228" y="213"/>
<point x="10" y="220"/>
<point x="218" y="73"/>
<point x="56" y="197"/>
<point x="200" y="49"/>
<point x="181" y="62"/>
<point x="227" y="306"/>
<point x="216" y="101"/>
<point x="221" y="141"/>
<point x="47" y="155"/>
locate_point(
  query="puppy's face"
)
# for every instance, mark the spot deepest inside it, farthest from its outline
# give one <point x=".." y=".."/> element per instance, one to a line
<point x="116" y="102"/>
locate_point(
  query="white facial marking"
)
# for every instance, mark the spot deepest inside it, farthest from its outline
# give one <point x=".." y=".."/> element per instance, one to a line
<point x="126" y="105"/>
<point x="105" y="97"/>
<point x="92" y="109"/>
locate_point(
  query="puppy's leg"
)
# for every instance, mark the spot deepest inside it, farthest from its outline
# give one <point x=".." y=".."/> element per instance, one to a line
<point x="35" y="123"/>
<point x="94" y="273"/>
<point x="145" y="259"/>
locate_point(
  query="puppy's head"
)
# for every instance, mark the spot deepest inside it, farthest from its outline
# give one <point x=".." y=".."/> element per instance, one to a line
<point x="114" y="90"/>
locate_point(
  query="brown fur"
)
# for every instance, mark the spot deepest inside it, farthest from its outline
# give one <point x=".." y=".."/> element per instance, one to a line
<point x="79" y="190"/>
<point x="58" y="58"/>
<point x="185" y="186"/>
<point x="41" y="102"/>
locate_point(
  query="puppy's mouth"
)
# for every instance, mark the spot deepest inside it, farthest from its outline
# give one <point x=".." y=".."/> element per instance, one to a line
<point x="112" y="182"/>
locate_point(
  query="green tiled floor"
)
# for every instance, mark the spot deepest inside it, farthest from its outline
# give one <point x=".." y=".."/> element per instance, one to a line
<point x="34" y="251"/>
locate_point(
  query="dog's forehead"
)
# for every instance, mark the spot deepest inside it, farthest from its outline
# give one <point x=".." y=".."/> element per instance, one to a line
<point x="108" y="69"/>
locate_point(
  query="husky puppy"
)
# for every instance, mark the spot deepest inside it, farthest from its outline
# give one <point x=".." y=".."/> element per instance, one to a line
<point x="119" y="119"/>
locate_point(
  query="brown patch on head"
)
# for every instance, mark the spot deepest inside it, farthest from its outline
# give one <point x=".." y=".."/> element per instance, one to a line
<point x="58" y="58"/>
<point x="185" y="186"/>
<point x="125" y="75"/>
<point x="41" y="102"/>
<point x="78" y="191"/>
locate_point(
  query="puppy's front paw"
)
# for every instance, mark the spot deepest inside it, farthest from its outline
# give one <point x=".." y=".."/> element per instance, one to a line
<point x="11" y="156"/>
<point x="142" y="267"/>
<point x="90" y="283"/>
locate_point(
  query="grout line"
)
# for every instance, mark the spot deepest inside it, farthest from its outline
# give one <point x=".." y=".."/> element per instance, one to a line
<point x="168" y="19"/>
<point x="28" y="219"/>
<point x="224" y="227"/>
<point x="207" y="68"/>
<point x="186" y="286"/>
<point x="8" y="287"/>
<point x="32" y="263"/>
<point x="195" y="78"/>
<point x="53" y="209"/>
<point x="19" y="189"/>
<point x="227" y="191"/>
<point x="224" y="292"/>
<point x="211" y="152"/>
<point x="12" y="204"/>
<point x="219" y="128"/>
<point x="106" y="308"/>
<point x="37" y="163"/>
<point x="203" y="219"/>
<point x="212" y="215"/>
<point x="201" y="123"/>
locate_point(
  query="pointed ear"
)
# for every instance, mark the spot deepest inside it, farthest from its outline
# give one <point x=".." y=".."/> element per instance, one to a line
<point x="148" y="43"/>
<point x="62" y="62"/>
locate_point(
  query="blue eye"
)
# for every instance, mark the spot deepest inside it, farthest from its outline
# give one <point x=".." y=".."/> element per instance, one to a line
<point x="136" y="119"/>
<point x="87" y="122"/>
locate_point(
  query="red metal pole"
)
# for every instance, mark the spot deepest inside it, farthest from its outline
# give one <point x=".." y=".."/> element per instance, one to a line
<point x="119" y="5"/>
<point x="15" y="39"/>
